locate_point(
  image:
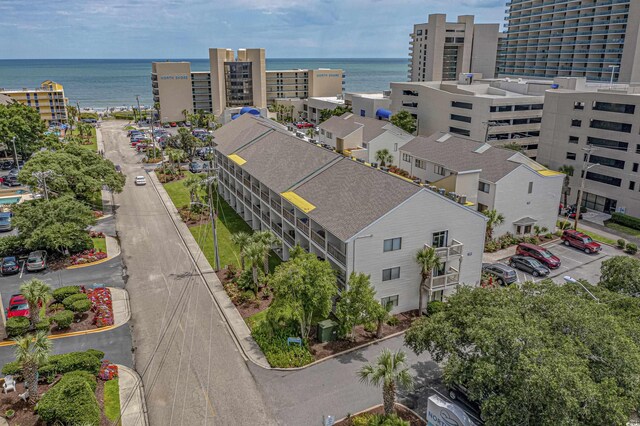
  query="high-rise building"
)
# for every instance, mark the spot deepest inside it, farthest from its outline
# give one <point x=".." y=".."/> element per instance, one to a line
<point x="48" y="100"/>
<point x="580" y="38"/>
<point x="441" y="50"/>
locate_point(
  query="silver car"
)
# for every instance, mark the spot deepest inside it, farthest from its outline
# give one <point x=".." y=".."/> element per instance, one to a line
<point x="37" y="261"/>
<point x="5" y="221"/>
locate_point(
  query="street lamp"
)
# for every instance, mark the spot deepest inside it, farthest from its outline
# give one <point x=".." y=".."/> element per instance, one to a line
<point x="585" y="168"/>
<point x="613" y="71"/>
<point x="568" y="279"/>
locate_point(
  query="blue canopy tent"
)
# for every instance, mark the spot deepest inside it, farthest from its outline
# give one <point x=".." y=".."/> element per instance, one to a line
<point x="382" y="113"/>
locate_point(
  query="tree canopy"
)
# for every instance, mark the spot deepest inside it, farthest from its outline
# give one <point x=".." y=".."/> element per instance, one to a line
<point x="54" y="225"/>
<point x="326" y="114"/>
<point x="303" y="288"/>
<point x="184" y="140"/>
<point x="23" y="123"/>
<point x="541" y="355"/>
<point x="621" y="274"/>
<point x="405" y="121"/>
<point x="358" y="304"/>
<point x="76" y="170"/>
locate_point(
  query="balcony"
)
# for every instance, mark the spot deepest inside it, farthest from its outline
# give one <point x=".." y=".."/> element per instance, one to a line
<point x="303" y="226"/>
<point x="276" y="205"/>
<point x="256" y="209"/>
<point x="264" y="196"/>
<point x="289" y="216"/>
<point x="337" y="254"/>
<point x="247" y="201"/>
<point x="246" y="182"/>
<point x="277" y="228"/>
<point x="255" y="188"/>
<point x="318" y="238"/>
<point x="289" y="239"/>
<point x="265" y="217"/>
<point x="454" y="249"/>
<point x="449" y="279"/>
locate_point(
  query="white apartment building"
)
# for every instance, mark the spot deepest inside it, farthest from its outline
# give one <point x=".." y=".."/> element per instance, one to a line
<point x="605" y="120"/>
<point x="486" y="177"/>
<point x="303" y="83"/>
<point x="441" y="50"/>
<point x="362" y="137"/>
<point x="581" y="38"/>
<point x="372" y="105"/>
<point x="356" y="217"/>
<point x="498" y="111"/>
<point x="313" y="106"/>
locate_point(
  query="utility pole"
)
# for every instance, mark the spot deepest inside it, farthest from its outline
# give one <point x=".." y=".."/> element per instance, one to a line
<point x="585" y="167"/>
<point x="212" y="175"/>
<point x="42" y="181"/>
<point x="15" y="153"/>
<point x="79" y="115"/>
<point x="139" y="111"/>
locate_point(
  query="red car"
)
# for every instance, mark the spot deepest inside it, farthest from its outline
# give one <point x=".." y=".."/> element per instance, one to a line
<point x="580" y="241"/>
<point x="18" y="306"/>
<point x="539" y="253"/>
<point x="173" y="124"/>
<point x="304" y="125"/>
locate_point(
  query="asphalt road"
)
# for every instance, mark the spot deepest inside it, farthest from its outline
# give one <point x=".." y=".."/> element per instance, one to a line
<point x="192" y="371"/>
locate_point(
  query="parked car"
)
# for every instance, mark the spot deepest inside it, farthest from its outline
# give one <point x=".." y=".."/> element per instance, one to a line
<point x="140" y="180"/>
<point x="5" y="221"/>
<point x="9" y="266"/>
<point x="181" y="124"/>
<point x="6" y="165"/>
<point x="503" y="273"/>
<point x="166" y="125"/>
<point x="581" y="241"/>
<point x="174" y="124"/>
<point x="37" y="261"/>
<point x="460" y="393"/>
<point x="303" y="125"/>
<point x="529" y="265"/>
<point x="11" y="180"/>
<point x="539" y="253"/>
<point x="18" y="307"/>
<point x="187" y="123"/>
<point x="195" y="168"/>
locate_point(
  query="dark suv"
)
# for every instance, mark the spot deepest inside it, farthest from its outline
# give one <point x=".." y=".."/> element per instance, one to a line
<point x="581" y="241"/>
<point x="504" y="274"/>
<point x="539" y="253"/>
<point x="529" y="264"/>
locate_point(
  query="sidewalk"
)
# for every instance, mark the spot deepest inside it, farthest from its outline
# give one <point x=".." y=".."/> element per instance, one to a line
<point x="132" y="403"/>
<point x="238" y="327"/>
<point x="113" y="248"/>
<point x="121" y="307"/>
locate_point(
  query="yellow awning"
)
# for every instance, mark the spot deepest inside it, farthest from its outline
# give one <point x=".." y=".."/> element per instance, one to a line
<point x="548" y="172"/>
<point x="469" y="204"/>
<point x="237" y="159"/>
<point x="298" y="201"/>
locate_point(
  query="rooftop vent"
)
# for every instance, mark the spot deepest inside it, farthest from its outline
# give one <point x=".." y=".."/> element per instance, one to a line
<point x="443" y="138"/>
<point x="482" y="148"/>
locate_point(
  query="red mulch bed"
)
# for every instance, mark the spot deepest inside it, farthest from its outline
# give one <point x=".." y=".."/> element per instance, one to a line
<point x="192" y="219"/>
<point x="401" y="411"/>
<point x="25" y="415"/>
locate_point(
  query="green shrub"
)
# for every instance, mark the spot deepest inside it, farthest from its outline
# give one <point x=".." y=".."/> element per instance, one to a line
<point x="80" y="306"/>
<point x="621" y="243"/>
<point x="83" y="375"/>
<point x="434" y="307"/>
<point x="11" y="368"/>
<point x="44" y="324"/>
<point x="71" y="401"/>
<point x="631" y="248"/>
<point x="98" y="354"/>
<point x="492" y="246"/>
<point x="625" y="220"/>
<point x="69" y="301"/>
<point x="63" y="319"/>
<point x="245" y="280"/>
<point x="378" y="420"/>
<point x="62" y="293"/>
<point x="370" y="327"/>
<point x="393" y="321"/>
<point x="246" y="296"/>
<point x="11" y="245"/>
<point x="17" y="326"/>
<point x="274" y="345"/>
<point x="548" y="235"/>
<point x="72" y="361"/>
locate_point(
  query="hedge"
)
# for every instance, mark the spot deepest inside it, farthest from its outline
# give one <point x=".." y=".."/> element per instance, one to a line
<point x="88" y="361"/>
<point x="69" y="301"/>
<point x="434" y="307"/>
<point x="63" y="292"/>
<point x="11" y="245"/>
<point x="98" y="354"/>
<point x="274" y="345"/>
<point x="17" y="326"/>
<point x="71" y="401"/>
<point x="80" y="306"/>
<point x="625" y="220"/>
<point x="63" y="319"/>
<point x="44" y="324"/>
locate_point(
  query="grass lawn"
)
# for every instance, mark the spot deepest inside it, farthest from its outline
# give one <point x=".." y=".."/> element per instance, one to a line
<point x="178" y="192"/>
<point x="100" y="244"/>
<point x="94" y="140"/>
<point x="624" y="229"/>
<point x="112" y="400"/>
<point x="256" y="319"/>
<point x="599" y="238"/>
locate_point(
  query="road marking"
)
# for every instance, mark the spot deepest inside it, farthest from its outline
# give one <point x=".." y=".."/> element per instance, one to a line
<point x="22" y="269"/>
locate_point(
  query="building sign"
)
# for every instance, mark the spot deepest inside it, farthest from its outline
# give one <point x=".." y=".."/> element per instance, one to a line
<point x="443" y="413"/>
<point x="174" y="77"/>
<point x="327" y="75"/>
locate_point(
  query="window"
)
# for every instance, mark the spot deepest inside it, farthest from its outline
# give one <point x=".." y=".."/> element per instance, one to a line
<point x="389" y="301"/>
<point x="574" y="139"/>
<point x="505" y="108"/>
<point x="482" y="207"/>
<point x="421" y="164"/>
<point x="522" y="107"/>
<point x="610" y="107"/>
<point x="322" y="132"/>
<point x="576" y="123"/>
<point x="439" y="170"/>
<point x="462" y="118"/>
<point x="329" y="135"/>
<point x="530" y="188"/>
<point x="484" y="187"/>
<point x="391" y="274"/>
<point x="571" y="155"/>
<point x="609" y="180"/>
<point x="458" y="131"/>
<point x="537" y="106"/>
<point x="578" y="105"/>
<point x="614" y="126"/>
<point x="406" y="157"/>
<point x="419" y="32"/>
<point x="464" y="105"/>
<point x="610" y="144"/>
<point x="362" y="113"/>
<point x="632" y="185"/>
<point x="395" y="147"/>
<point x="635" y="167"/>
<point x="393" y="244"/>
<point x="439" y="239"/>
<point x="409" y="93"/>
<point x="606" y="161"/>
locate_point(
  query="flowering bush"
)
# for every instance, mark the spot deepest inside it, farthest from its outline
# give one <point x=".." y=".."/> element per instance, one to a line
<point x="108" y="371"/>
<point x="102" y="306"/>
<point x="98" y="213"/>
<point x="94" y="234"/>
<point x="87" y="256"/>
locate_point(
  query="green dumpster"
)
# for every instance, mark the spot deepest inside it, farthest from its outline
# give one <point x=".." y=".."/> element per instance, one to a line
<point x="327" y="331"/>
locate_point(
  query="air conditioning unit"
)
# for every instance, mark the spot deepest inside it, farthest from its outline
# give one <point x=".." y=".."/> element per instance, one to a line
<point x="442" y="191"/>
<point x="452" y="195"/>
<point x="462" y="199"/>
<point x="433" y="188"/>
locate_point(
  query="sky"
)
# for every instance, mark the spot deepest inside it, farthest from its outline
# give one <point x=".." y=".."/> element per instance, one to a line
<point x="52" y="29"/>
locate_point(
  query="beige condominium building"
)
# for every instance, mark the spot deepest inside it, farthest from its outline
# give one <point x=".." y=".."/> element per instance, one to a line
<point x="582" y="38"/>
<point x="595" y="126"/>
<point x="48" y="100"/>
<point x="441" y="50"/>
<point x="498" y="111"/>
<point x="234" y="80"/>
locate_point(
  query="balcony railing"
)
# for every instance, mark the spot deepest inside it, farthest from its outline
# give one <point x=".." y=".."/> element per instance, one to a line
<point x="452" y="250"/>
<point x="337" y="254"/>
<point x="265" y="217"/>
<point x="247" y="201"/>
<point x="255" y="189"/>
<point x="304" y="227"/>
<point x="317" y="238"/>
<point x="264" y="196"/>
<point x="276" y="205"/>
<point x="289" y="216"/>
<point x="277" y="228"/>
<point x="289" y="239"/>
<point x="256" y="209"/>
<point x="441" y="281"/>
<point x="246" y="182"/>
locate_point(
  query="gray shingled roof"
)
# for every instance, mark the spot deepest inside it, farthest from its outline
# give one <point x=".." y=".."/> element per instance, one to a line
<point x="459" y="154"/>
<point x="350" y="196"/>
<point x="372" y="127"/>
<point x="240" y="131"/>
<point x="339" y="127"/>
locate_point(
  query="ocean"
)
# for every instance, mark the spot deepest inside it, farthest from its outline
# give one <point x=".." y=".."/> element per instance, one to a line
<point x="101" y="83"/>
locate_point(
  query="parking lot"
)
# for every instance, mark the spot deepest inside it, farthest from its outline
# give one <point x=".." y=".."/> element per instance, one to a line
<point x="574" y="263"/>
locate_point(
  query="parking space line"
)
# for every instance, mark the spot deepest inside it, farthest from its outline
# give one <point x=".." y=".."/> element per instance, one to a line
<point x="22" y="269"/>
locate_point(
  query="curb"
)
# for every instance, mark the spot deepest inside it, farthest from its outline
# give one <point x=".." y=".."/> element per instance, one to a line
<point x="380" y="405"/>
<point x="142" y="416"/>
<point x="97" y="262"/>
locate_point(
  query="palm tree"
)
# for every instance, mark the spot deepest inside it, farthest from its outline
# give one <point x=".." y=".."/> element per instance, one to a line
<point x="176" y="155"/>
<point x="268" y="240"/>
<point x="185" y="114"/>
<point x="31" y="353"/>
<point x="156" y="106"/>
<point x="311" y="132"/>
<point x="37" y="293"/>
<point x="254" y="253"/>
<point x="242" y="240"/>
<point x="390" y="371"/>
<point x="194" y="183"/>
<point x="495" y="219"/>
<point x="568" y="172"/>
<point x="428" y="260"/>
<point x="73" y="114"/>
<point x="384" y="157"/>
